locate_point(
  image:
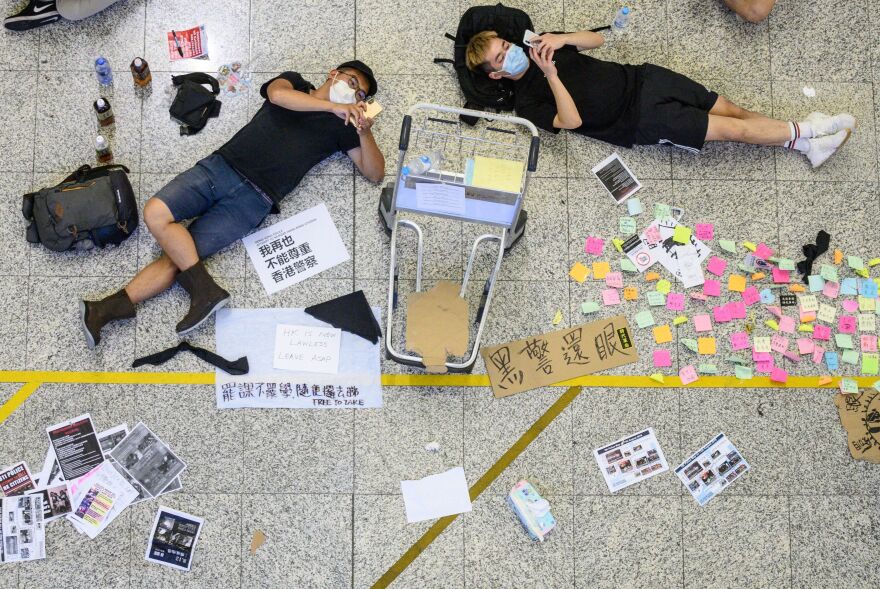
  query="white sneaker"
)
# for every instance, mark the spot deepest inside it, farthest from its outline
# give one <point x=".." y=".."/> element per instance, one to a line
<point x="822" y="148"/>
<point x="826" y="125"/>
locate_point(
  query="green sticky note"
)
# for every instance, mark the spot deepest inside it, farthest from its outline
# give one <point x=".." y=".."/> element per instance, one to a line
<point x="850" y="357"/>
<point x="743" y="372"/>
<point x="644" y="319"/>
<point x="849" y="386"/>
<point x="656" y="299"/>
<point x="876" y="385"/>
<point x="627" y="266"/>
<point x="829" y="272"/>
<point x="843" y="340"/>
<point x="690" y="344"/>
<point x="855" y="262"/>
<point x="681" y="234"/>
<point x="627" y="225"/>
<point x="707" y="369"/>
<point x="870" y="363"/>
<point x="664" y="286"/>
<point x="662" y="211"/>
<point x="735" y="360"/>
<point x="785" y="264"/>
<point x="727" y="245"/>
<point x="588" y="307"/>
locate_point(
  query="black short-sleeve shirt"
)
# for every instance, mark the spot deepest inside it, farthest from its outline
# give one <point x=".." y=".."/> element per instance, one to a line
<point x="279" y="146"/>
<point x="606" y="95"/>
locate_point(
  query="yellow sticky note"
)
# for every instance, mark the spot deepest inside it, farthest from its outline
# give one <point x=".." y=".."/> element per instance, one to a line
<point x="758" y="276"/>
<point x="823" y="380"/>
<point x="557" y="319"/>
<point x="736" y="283"/>
<point x="771" y="323"/>
<point x="679" y="320"/>
<point x="630" y="293"/>
<point x="618" y="244"/>
<point x="600" y="270"/>
<point x="873" y="262"/>
<point x="681" y="234"/>
<point x="838" y="256"/>
<point x="652" y="276"/>
<point x="664" y="286"/>
<point x="657" y="377"/>
<point x="863" y="272"/>
<point x="796" y="288"/>
<point x="706" y="345"/>
<point x="750" y="246"/>
<point x="805" y="328"/>
<point x="662" y="334"/>
<point x="497" y="174"/>
<point x="579" y="272"/>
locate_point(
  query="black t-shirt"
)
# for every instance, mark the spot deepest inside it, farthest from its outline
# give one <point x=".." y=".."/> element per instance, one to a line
<point x="606" y="95"/>
<point x="279" y="146"/>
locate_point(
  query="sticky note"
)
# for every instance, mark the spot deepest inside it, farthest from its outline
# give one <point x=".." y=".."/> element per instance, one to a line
<point x="662" y="358"/>
<point x="867" y="322"/>
<point x="626" y="225"/>
<point x="779" y="343"/>
<point x="863" y="272"/>
<point x="681" y="319"/>
<point x="681" y="234"/>
<point x="838" y="256"/>
<point x="721" y="314"/>
<point x="761" y="344"/>
<point x="662" y="211"/>
<point x="816" y="283"/>
<point x="818" y="354"/>
<point x="614" y="280"/>
<point x="652" y="276"/>
<point x="657" y="377"/>
<point x="868" y="289"/>
<point x="796" y="288"/>
<point x="805" y="345"/>
<point x="771" y="323"/>
<point x="870" y="364"/>
<point x="781" y="276"/>
<point x="866" y="304"/>
<point x="594" y="245"/>
<point x="847" y="324"/>
<point x="618" y="244"/>
<point x="832" y="360"/>
<point x="849" y="357"/>
<point x="702" y="322"/>
<point x="611" y="296"/>
<point x="762" y="251"/>
<point x="690" y="343"/>
<point x="809" y="303"/>
<point x="848" y="386"/>
<point x="778" y="375"/>
<point x="627" y="266"/>
<point x="662" y="334"/>
<point x="758" y="276"/>
<point x="786" y="324"/>
<point x="823" y="380"/>
<point x="716" y="265"/>
<point x="868" y="343"/>
<point x="849" y="287"/>
<point x="688" y="375"/>
<point x="739" y="340"/>
<point x="579" y="272"/>
<point x="743" y="372"/>
<point x="663" y="286"/>
<point x="644" y="319"/>
<point x="707" y="369"/>
<point x="873" y="262"/>
<point x="588" y="307"/>
<point x="600" y="270"/>
<point x="630" y="293"/>
<point x="829" y="272"/>
<point x="821" y="332"/>
<point x="749" y="246"/>
<point x="634" y="206"/>
<point x="850" y="306"/>
<point x="727" y="245"/>
<point x="736" y="360"/>
<point x="855" y="262"/>
<point x="706" y="345"/>
<point x="826" y="313"/>
<point x="652" y="235"/>
<point x="750" y="296"/>
<point x="736" y="283"/>
<point x="785" y="264"/>
<point x="843" y="341"/>
<point x="831" y="289"/>
<point x="675" y="301"/>
<point x="705" y="231"/>
<point x="712" y="288"/>
<point x="656" y="299"/>
<point x="805" y="328"/>
<point x="737" y="309"/>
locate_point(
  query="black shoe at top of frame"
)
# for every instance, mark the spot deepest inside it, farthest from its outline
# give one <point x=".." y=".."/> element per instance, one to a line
<point x="36" y="14"/>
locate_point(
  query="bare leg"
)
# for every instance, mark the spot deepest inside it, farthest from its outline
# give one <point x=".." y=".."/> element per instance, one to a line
<point x="758" y="131"/>
<point x="753" y="11"/>
<point x="152" y="280"/>
<point x="175" y="240"/>
<point x="725" y="108"/>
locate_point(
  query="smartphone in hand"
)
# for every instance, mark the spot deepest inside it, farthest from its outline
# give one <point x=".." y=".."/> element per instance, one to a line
<point x="527" y="37"/>
<point x="371" y="112"/>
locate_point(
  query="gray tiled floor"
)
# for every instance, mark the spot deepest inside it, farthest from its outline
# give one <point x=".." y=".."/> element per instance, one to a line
<point x="324" y="486"/>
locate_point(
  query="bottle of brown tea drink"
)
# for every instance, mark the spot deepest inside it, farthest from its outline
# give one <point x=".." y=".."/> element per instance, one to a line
<point x="104" y="112"/>
<point x="102" y="150"/>
<point x="140" y="71"/>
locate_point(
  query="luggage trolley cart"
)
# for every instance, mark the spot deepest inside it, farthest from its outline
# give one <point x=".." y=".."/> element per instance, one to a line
<point x="431" y="127"/>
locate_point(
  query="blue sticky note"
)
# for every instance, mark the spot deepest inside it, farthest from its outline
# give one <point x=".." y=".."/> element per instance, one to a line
<point x="849" y="286"/>
<point x="816" y="283"/>
<point x="767" y="296"/>
<point x="867" y="288"/>
<point x="832" y="361"/>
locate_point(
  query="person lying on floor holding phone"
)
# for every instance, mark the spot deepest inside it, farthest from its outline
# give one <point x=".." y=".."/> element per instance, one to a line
<point x="231" y="191"/>
<point x="558" y="87"/>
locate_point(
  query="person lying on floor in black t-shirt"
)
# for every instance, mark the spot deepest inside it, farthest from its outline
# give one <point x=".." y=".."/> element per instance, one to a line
<point x="231" y="191"/>
<point x="557" y="87"/>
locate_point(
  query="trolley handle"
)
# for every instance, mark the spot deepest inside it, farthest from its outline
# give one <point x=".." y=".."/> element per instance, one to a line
<point x="404" y="132"/>
<point x="533" y="153"/>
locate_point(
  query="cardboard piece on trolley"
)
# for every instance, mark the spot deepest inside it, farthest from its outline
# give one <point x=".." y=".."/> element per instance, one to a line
<point x="437" y="325"/>
<point x="860" y="417"/>
<point x="557" y="356"/>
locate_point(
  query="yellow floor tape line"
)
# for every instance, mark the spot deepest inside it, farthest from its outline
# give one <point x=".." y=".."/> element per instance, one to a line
<point x="481" y="485"/>
<point x="20" y="396"/>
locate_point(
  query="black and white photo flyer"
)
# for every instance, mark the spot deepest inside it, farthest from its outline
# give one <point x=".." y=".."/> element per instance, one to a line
<point x="109" y="439"/>
<point x="22" y="529"/>
<point x="76" y="446"/>
<point x="630" y="460"/>
<point x="148" y="460"/>
<point x="616" y="177"/>
<point x="173" y="538"/>
<point x="712" y="468"/>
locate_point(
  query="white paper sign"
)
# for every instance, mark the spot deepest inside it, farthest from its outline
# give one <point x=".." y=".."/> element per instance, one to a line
<point x="295" y="249"/>
<point x="440" y="198"/>
<point x="307" y="348"/>
<point x="709" y="470"/>
<point x="616" y="177"/>
<point x="436" y="496"/>
<point x="630" y="460"/>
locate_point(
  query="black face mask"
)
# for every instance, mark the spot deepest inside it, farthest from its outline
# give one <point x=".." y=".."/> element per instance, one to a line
<point x="235" y="368"/>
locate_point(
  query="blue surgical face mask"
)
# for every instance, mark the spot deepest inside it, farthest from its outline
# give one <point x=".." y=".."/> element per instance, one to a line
<point x="515" y="62"/>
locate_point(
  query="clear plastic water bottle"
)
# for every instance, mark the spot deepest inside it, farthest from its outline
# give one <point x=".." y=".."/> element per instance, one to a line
<point x="422" y="163"/>
<point x="621" y="19"/>
<point x="103" y="72"/>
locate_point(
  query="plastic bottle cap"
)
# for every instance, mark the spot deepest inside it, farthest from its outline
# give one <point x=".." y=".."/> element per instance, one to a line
<point x="138" y="62"/>
<point x="425" y="159"/>
<point x="100" y="141"/>
<point x="405" y="170"/>
<point x="100" y="61"/>
<point x="100" y="102"/>
<point x="625" y="10"/>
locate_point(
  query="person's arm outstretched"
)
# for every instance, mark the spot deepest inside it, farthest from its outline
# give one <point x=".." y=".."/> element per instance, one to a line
<point x="582" y="40"/>
<point x="368" y="159"/>
<point x="567" y="116"/>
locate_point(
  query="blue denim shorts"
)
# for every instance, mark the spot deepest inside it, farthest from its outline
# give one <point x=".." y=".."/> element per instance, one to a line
<point x="225" y="205"/>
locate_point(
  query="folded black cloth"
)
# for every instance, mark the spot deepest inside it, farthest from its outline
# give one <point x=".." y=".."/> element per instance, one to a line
<point x="351" y="313"/>
<point x="236" y="368"/>
<point x="813" y="251"/>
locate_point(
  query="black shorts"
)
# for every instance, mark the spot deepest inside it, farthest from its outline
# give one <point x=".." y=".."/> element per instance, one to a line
<point x="673" y="109"/>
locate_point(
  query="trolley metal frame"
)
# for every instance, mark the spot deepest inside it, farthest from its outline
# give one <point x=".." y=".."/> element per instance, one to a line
<point x="488" y="140"/>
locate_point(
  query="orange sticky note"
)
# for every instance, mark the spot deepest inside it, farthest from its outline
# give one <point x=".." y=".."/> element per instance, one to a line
<point x="579" y="272"/>
<point x="796" y="288"/>
<point x="662" y="334"/>
<point x="838" y="257"/>
<point x="758" y="276"/>
<point x="823" y="380"/>
<point x="630" y="293"/>
<point x="600" y="269"/>
<point x="652" y="276"/>
<point x="706" y="345"/>
<point x="736" y="283"/>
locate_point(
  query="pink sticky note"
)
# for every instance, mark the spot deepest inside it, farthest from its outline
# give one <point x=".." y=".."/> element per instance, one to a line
<point x="712" y="288"/>
<point x="652" y="235"/>
<point x="739" y="340"/>
<point x="765" y="367"/>
<point x="850" y="305"/>
<point x="778" y="375"/>
<point x="821" y="332"/>
<point x="774" y="310"/>
<point x="786" y="324"/>
<point x="779" y="343"/>
<point x="737" y="310"/>
<point x="762" y="356"/>
<point x="763" y="252"/>
<point x="846" y="324"/>
<point x="702" y="323"/>
<point x="869" y="343"/>
<point x="818" y="354"/>
<point x="611" y="296"/>
<point x="750" y="296"/>
<point x="614" y="279"/>
<point x="831" y="289"/>
<point x="716" y="265"/>
<point x="675" y="301"/>
<point x="662" y="358"/>
<point x="698" y="296"/>
<point x="688" y="374"/>
<point x="705" y="231"/>
<point x="792" y="356"/>
<point x="721" y="314"/>
<point x="594" y="246"/>
<point x="805" y="345"/>
<point x="781" y="276"/>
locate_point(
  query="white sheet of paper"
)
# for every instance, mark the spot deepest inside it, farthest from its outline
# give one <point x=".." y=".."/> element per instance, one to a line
<point x="631" y="460"/>
<point x="440" y="198"/>
<point x="307" y="348"/>
<point x="616" y="177"/>
<point x="667" y="252"/>
<point x="297" y="248"/>
<point x="690" y="270"/>
<point x="436" y="496"/>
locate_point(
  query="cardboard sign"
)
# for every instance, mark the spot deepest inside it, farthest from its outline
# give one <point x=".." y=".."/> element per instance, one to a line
<point x="556" y="356"/>
<point x="860" y="417"/>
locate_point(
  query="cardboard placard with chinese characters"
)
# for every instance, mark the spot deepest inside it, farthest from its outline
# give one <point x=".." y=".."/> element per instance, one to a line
<point x="860" y="417"/>
<point x="557" y="356"/>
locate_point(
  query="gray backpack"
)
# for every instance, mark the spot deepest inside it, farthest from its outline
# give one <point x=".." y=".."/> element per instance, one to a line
<point x="91" y="207"/>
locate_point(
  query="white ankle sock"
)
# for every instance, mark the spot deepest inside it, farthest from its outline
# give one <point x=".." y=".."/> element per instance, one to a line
<point x="800" y="133"/>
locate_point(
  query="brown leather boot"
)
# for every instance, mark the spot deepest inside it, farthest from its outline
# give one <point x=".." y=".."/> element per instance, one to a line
<point x="94" y="315"/>
<point x="205" y="297"/>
